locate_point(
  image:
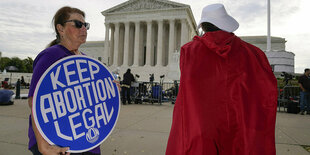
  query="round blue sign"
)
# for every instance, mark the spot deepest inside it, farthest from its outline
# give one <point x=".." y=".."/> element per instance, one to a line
<point x="76" y="103"/>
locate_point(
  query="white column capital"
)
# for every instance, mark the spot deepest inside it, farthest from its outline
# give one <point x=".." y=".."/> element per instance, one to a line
<point x="160" y="20"/>
<point x="184" y="22"/>
<point x="149" y="21"/>
<point x="116" y="23"/>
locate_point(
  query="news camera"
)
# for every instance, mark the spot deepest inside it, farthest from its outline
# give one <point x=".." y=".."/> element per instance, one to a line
<point x="287" y="77"/>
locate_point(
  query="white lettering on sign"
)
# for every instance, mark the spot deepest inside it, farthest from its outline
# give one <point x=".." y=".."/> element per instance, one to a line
<point x="86" y="86"/>
<point x="102" y="94"/>
<point x="109" y="87"/>
<point x="72" y="77"/>
<point x="54" y="79"/>
<point x="76" y="97"/>
<point x="75" y="126"/>
<point x="95" y="92"/>
<point x="60" y="104"/>
<point x="81" y="70"/>
<point x="59" y="134"/>
<point x="73" y="101"/>
<point x="99" y="114"/>
<point x="79" y="97"/>
<point x="89" y="121"/>
<point x="68" y="73"/>
<point x="76" y="102"/>
<point x="93" y="71"/>
<point x="45" y="110"/>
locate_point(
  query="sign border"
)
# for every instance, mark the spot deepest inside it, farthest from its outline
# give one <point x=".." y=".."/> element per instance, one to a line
<point x="34" y="114"/>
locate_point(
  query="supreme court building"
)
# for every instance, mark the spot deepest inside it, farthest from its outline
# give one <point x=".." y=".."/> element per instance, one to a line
<point x="146" y="36"/>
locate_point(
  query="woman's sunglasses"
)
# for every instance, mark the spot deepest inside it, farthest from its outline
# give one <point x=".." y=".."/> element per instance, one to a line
<point x="79" y="24"/>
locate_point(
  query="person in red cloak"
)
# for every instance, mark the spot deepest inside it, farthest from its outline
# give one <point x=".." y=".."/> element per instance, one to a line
<point x="228" y="94"/>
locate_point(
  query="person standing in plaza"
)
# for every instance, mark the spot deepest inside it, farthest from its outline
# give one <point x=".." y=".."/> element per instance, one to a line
<point x="17" y="96"/>
<point x="227" y="97"/>
<point x="304" y="84"/>
<point x="71" y="32"/>
<point x="128" y="78"/>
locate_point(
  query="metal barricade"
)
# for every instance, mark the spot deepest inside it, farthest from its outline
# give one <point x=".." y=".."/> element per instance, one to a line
<point x="154" y="92"/>
<point x="287" y="95"/>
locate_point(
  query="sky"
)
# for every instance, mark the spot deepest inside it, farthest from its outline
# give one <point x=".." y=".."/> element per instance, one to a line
<point x="26" y="28"/>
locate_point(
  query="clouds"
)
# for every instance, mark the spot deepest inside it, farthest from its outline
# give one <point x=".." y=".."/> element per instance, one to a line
<point x="23" y="29"/>
<point x="26" y="25"/>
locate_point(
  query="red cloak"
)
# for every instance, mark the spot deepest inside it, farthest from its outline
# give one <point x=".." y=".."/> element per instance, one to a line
<point x="227" y="99"/>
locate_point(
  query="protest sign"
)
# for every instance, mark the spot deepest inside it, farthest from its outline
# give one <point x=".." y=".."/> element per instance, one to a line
<point x="76" y="103"/>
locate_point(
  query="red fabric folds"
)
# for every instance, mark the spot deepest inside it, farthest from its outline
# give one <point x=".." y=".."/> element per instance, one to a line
<point x="227" y="99"/>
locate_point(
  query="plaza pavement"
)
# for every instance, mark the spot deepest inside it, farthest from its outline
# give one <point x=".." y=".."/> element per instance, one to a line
<point x="143" y="130"/>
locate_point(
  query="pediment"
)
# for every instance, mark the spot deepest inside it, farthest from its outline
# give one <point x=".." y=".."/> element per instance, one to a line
<point x="144" y="5"/>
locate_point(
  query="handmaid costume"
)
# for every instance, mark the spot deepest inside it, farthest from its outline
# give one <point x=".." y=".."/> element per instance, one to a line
<point x="227" y="99"/>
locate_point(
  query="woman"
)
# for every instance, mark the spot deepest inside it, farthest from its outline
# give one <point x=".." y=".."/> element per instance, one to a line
<point x="71" y="32"/>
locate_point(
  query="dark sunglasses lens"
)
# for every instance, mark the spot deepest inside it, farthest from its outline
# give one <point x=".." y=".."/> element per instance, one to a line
<point x="78" y="24"/>
<point x="87" y="25"/>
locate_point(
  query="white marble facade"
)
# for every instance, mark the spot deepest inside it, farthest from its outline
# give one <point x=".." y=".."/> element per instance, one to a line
<point x="279" y="59"/>
<point x="94" y="49"/>
<point x="146" y="36"/>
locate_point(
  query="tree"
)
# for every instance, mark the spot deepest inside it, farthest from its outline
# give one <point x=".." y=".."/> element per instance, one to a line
<point x="4" y="62"/>
<point x="15" y="61"/>
<point x="28" y="65"/>
<point x="24" y="66"/>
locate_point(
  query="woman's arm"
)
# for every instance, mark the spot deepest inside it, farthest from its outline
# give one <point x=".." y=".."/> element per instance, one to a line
<point x="44" y="147"/>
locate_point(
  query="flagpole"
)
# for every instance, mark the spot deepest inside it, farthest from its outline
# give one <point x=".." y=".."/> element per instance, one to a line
<point x="268" y="27"/>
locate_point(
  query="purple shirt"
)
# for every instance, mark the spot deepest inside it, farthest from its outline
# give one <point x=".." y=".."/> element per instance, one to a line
<point x="42" y="62"/>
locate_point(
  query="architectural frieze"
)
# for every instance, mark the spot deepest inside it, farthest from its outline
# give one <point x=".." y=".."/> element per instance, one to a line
<point x="141" y="5"/>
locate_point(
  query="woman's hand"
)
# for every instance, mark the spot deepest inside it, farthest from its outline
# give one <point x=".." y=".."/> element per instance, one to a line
<point x="117" y="84"/>
<point x="44" y="147"/>
<point x="47" y="149"/>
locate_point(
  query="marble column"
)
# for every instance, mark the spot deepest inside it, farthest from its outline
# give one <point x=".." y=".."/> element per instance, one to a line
<point x="184" y="32"/>
<point x="106" y="44"/>
<point x="126" y="44"/>
<point x="116" y="44"/>
<point x="148" y="43"/>
<point x="137" y="44"/>
<point x="111" y="49"/>
<point x="171" y="39"/>
<point x="160" y="43"/>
